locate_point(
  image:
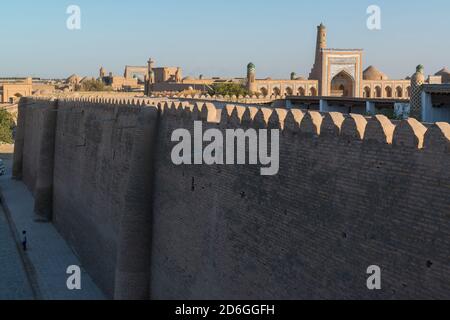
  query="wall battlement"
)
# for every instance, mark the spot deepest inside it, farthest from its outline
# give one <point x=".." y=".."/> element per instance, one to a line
<point x="352" y="191"/>
<point x="410" y="133"/>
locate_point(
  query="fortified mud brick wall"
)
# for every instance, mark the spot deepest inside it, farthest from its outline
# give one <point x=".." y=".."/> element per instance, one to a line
<point x="30" y="139"/>
<point x="91" y="155"/>
<point x="92" y="164"/>
<point x="351" y="192"/>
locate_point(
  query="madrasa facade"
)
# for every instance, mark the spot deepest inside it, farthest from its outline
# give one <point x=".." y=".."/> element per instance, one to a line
<point x="336" y="72"/>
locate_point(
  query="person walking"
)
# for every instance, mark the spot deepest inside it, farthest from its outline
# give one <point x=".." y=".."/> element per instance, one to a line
<point x="24" y="240"/>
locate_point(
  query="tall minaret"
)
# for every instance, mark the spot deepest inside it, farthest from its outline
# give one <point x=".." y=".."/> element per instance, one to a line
<point x="417" y="80"/>
<point x="150" y="77"/>
<point x="321" y="41"/>
<point x="316" y="72"/>
<point x="151" y="64"/>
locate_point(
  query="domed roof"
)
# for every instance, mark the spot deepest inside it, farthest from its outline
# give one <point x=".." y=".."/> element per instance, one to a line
<point x="418" y="77"/>
<point x="73" y="79"/>
<point x="372" y="73"/>
<point x="251" y="66"/>
<point x="442" y="72"/>
<point x="73" y="76"/>
<point x="445" y="74"/>
<point x="85" y="79"/>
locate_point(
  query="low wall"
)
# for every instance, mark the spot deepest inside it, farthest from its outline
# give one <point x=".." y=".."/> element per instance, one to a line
<point x="351" y="192"/>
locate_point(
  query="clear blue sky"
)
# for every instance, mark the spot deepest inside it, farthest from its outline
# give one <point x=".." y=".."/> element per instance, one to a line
<point x="217" y="37"/>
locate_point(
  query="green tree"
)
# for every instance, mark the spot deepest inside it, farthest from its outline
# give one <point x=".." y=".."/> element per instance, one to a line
<point x="229" y="88"/>
<point x="94" y="85"/>
<point x="6" y="126"/>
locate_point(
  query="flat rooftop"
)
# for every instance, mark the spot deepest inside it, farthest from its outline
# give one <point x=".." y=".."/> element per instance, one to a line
<point x="437" y="88"/>
<point x="346" y="99"/>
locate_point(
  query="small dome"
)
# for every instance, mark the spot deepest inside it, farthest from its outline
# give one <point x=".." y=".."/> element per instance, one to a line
<point x="86" y="79"/>
<point x="73" y="77"/>
<point x="372" y="73"/>
<point x="442" y="72"/>
<point x="445" y="74"/>
<point x="251" y="66"/>
<point x="418" y="77"/>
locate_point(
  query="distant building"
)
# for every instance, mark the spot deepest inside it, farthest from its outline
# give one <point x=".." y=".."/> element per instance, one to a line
<point x="170" y="79"/>
<point x="444" y="74"/>
<point x="11" y="90"/>
<point x="130" y="82"/>
<point x="73" y="79"/>
<point x="436" y="103"/>
<point x="335" y="73"/>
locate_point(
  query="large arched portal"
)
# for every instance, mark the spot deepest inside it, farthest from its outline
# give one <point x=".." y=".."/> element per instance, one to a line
<point x="342" y="85"/>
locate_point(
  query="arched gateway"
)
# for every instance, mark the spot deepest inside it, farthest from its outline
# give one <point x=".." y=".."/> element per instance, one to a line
<point x="342" y="85"/>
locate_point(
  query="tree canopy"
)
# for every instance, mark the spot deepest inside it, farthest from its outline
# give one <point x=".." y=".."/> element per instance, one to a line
<point x="6" y="127"/>
<point x="229" y="89"/>
<point x="93" y="85"/>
